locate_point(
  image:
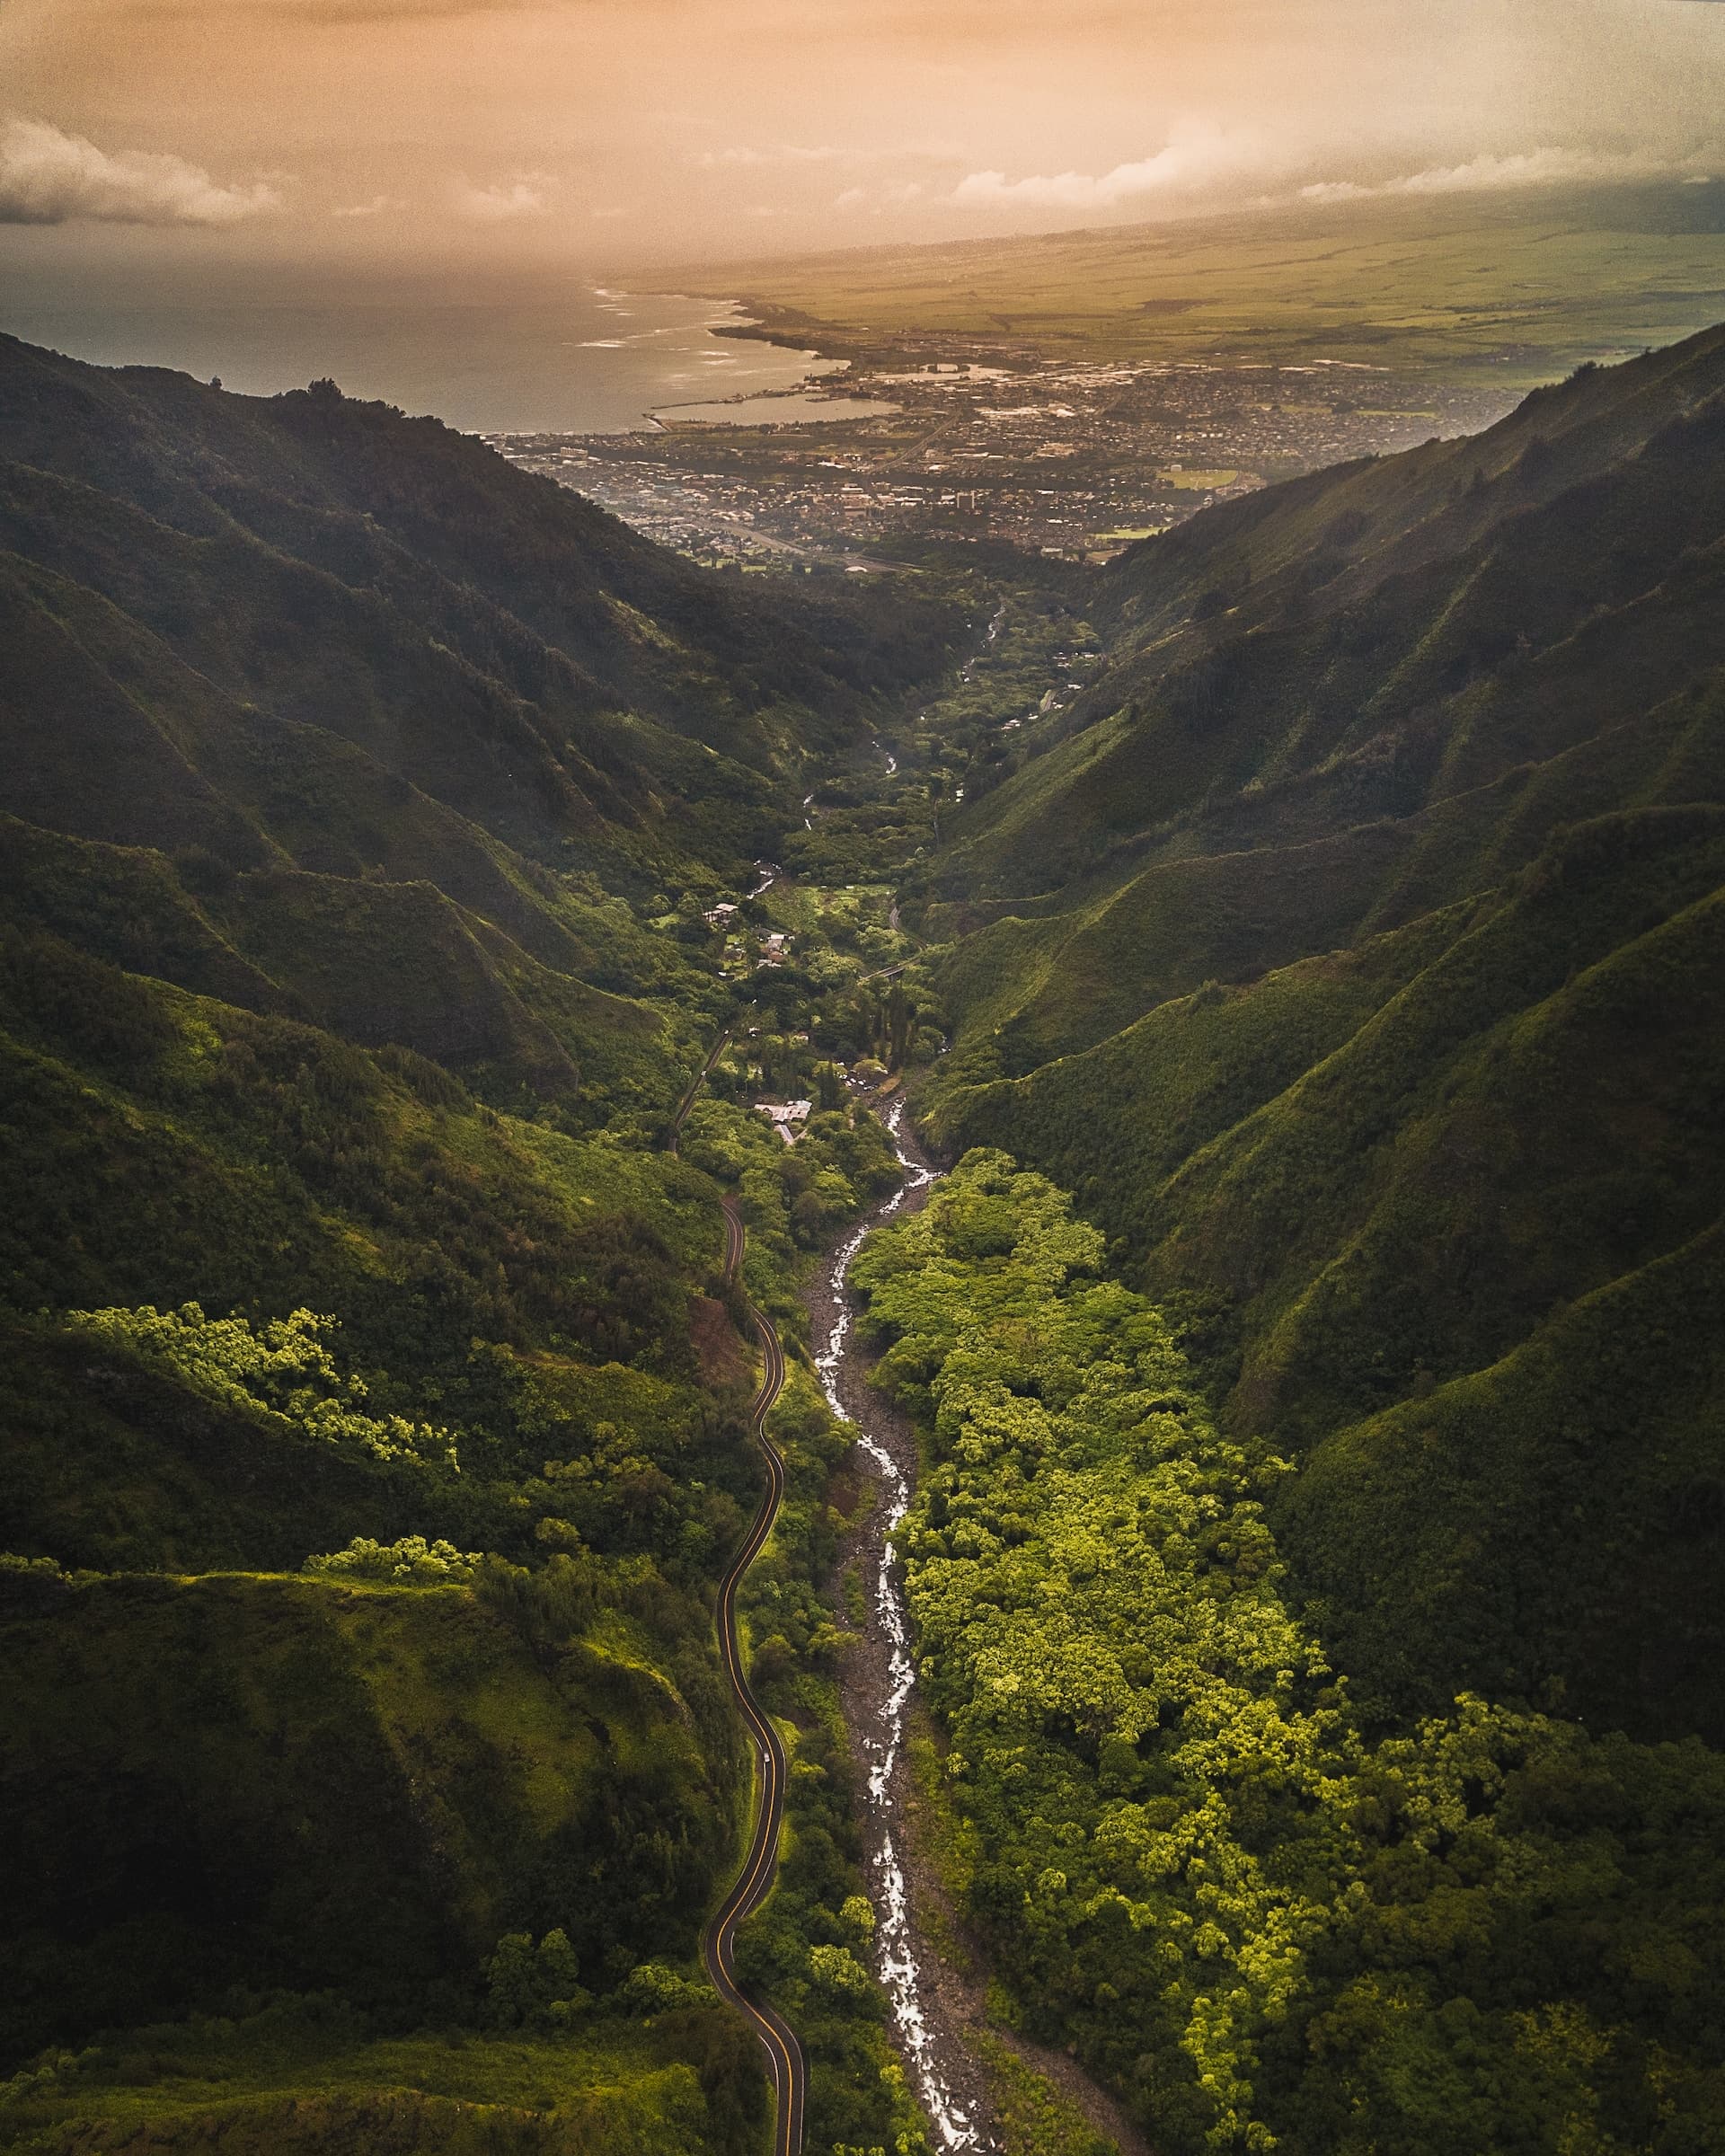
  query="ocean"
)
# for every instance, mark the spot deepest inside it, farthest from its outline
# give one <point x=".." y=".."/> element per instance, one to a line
<point x="548" y="356"/>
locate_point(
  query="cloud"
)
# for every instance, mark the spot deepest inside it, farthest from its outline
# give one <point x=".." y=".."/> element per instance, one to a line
<point x="1200" y="156"/>
<point x="47" y="177"/>
<point x="1547" y="167"/>
<point x="375" y="207"/>
<point x="907" y="195"/>
<point x="507" y="202"/>
<point x="1197" y="155"/>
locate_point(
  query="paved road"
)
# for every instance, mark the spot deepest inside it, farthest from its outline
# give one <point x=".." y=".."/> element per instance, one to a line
<point x="681" y="1114"/>
<point x="753" y="1883"/>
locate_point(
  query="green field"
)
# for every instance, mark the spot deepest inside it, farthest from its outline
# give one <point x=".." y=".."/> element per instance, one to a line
<point x="1513" y="287"/>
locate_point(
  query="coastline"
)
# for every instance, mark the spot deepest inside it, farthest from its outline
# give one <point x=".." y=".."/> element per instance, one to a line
<point x="753" y="322"/>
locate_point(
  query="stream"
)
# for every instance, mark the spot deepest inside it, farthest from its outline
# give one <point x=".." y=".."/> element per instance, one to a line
<point x="926" y="2020"/>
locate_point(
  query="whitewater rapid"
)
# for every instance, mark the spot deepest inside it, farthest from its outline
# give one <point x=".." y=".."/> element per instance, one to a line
<point x="895" y="1945"/>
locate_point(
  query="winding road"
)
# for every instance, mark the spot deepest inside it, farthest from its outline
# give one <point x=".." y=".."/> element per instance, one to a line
<point x="789" y="2076"/>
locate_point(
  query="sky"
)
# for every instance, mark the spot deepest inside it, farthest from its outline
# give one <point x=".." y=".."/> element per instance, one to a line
<point x="187" y="139"/>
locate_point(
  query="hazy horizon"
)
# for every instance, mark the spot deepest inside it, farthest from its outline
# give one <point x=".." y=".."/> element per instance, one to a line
<point x="213" y="139"/>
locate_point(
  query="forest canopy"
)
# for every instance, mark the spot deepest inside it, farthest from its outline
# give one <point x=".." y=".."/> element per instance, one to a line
<point x="1488" y="1930"/>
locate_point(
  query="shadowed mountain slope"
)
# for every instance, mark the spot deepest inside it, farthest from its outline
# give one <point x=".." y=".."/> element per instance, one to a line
<point x="372" y="1390"/>
<point x="294" y="641"/>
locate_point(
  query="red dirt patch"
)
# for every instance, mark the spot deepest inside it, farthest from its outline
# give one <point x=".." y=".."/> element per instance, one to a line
<point x="716" y="1343"/>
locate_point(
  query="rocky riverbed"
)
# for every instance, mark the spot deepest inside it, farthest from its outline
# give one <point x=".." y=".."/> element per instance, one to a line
<point x="878" y="1683"/>
<point x="937" y="2007"/>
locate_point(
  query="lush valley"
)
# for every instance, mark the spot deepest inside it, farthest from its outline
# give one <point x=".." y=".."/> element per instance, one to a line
<point x="1303" y="936"/>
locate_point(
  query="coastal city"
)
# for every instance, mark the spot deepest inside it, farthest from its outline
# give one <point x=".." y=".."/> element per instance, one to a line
<point x="941" y="440"/>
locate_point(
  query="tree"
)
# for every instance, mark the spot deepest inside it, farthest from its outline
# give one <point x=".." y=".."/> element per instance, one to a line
<point x="534" y="1987"/>
<point x="899" y="1027"/>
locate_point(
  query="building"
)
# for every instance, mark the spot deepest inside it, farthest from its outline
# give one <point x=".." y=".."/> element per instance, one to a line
<point x="788" y="1117"/>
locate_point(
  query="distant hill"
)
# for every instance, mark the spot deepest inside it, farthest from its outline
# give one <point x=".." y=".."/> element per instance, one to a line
<point x="1508" y="287"/>
<point x="1359" y="959"/>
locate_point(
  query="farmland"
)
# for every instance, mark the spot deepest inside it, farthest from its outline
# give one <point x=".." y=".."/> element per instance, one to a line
<point x="1515" y="286"/>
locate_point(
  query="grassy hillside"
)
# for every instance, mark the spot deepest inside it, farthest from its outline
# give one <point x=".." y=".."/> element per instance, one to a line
<point x="400" y="533"/>
<point x="336" y="1818"/>
<point x="1526" y="285"/>
<point x="1366" y="990"/>
<point x="620" y="2089"/>
<point x="166" y="1150"/>
<point x="1383" y="638"/>
<point x="1423" y="1532"/>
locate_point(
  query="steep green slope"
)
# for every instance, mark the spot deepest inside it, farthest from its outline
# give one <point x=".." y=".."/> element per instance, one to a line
<point x="1535" y="1114"/>
<point x="1371" y="640"/>
<point x="402" y="532"/>
<point x="401" y="962"/>
<point x="1155" y="1093"/>
<point x="167" y="1150"/>
<point x="1423" y="1533"/>
<point x="259" y="636"/>
<point x="1064" y="975"/>
<point x="1045" y="987"/>
<point x="293" y="1784"/>
<point x="297" y="2078"/>
<point x="126" y="904"/>
<point x="1379" y="1026"/>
